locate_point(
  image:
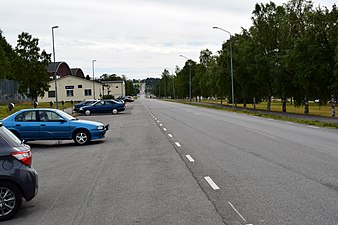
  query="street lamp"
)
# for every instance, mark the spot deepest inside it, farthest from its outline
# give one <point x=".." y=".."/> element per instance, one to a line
<point x="56" y="87"/>
<point x="93" y="78"/>
<point x="231" y="69"/>
<point x="189" y="76"/>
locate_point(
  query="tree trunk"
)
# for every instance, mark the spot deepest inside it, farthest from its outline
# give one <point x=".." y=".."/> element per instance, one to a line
<point x="333" y="105"/>
<point x="283" y="104"/>
<point x="268" y="103"/>
<point x="306" y="106"/>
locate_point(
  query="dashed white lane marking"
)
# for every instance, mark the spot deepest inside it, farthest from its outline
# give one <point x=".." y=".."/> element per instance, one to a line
<point x="165" y="129"/>
<point x="240" y="215"/>
<point x="161" y="124"/>
<point x="314" y="127"/>
<point x="190" y="158"/>
<point x="290" y="123"/>
<point x="177" y="144"/>
<point x="170" y="135"/>
<point x="158" y="121"/>
<point x="211" y="183"/>
<point x="258" y="132"/>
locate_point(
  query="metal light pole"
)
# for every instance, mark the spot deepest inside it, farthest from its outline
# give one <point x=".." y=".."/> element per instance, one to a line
<point x="56" y="87"/>
<point x="93" y="78"/>
<point x="189" y="75"/>
<point x="231" y="69"/>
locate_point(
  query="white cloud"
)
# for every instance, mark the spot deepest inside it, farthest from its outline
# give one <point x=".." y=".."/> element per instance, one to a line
<point x="137" y="38"/>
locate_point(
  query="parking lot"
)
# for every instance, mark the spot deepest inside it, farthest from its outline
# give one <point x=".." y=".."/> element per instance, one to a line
<point x="133" y="176"/>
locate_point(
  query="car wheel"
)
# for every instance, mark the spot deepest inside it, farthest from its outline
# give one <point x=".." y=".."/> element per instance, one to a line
<point x="114" y="111"/>
<point x="10" y="200"/>
<point x="87" y="112"/>
<point x="81" y="137"/>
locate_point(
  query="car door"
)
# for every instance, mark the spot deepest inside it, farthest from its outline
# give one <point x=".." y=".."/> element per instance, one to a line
<point x="27" y="125"/>
<point x="109" y="106"/>
<point x="102" y="107"/>
<point x="53" y="126"/>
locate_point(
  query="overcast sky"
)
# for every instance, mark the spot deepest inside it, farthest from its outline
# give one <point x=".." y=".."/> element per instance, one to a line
<point x="136" y="38"/>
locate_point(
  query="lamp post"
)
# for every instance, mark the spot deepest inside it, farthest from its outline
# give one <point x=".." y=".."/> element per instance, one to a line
<point x="189" y="76"/>
<point x="93" y="78"/>
<point x="231" y="68"/>
<point x="56" y="87"/>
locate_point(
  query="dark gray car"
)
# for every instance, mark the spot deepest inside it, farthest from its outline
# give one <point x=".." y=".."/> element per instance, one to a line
<point x="17" y="178"/>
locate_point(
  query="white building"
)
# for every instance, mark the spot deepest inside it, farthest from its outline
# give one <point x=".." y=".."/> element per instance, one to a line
<point x="77" y="89"/>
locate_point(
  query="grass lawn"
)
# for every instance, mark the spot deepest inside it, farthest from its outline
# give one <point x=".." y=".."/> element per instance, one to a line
<point x="4" y="111"/>
<point x="314" y="108"/>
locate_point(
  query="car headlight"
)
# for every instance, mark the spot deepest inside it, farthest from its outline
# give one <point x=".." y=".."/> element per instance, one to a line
<point x="100" y="127"/>
<point x="81" y="109"/>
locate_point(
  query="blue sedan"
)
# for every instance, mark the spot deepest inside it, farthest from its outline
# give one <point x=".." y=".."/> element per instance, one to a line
<point x="104" y="106"/>
<point x="53" y="124"/>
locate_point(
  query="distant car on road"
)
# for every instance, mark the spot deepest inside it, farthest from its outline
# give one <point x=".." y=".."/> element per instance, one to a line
<point x="53" y="124"/>
<point x="17" y="177"/>
<point x="83" y="103"/>
<point x="128" y="99"/>
<point x="104" y="106"/>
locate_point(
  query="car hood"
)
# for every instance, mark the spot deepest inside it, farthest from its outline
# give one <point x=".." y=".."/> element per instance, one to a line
<point x="86" y="122"/>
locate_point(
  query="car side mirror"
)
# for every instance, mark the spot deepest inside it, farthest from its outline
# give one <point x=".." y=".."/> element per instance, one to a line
<point x="62" y="120"/>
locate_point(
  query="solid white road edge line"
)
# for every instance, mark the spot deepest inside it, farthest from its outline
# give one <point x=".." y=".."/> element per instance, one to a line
<point x="211" y="183"/>
<point x="190" y="158"/>
<point x="233" y="207"/>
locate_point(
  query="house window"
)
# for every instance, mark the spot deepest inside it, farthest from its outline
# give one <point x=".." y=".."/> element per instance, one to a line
<point x="88" y="92"/>
<point x="79" y="86"/>
<point x="51" y="94"/>
<point x="70" y="93"/>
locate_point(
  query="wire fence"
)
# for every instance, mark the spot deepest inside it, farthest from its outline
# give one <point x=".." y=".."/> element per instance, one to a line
<point x="9" y="91"/>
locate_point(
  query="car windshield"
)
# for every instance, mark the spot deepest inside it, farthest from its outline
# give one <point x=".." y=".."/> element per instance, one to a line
<point x="9" y="137"/>
<point x="65" y="115"/>
<point x="98" y="103"/>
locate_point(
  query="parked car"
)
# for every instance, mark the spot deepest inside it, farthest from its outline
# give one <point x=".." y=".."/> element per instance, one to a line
<point x="53" y="124"/>
<point x="128" y="99"/>
<point x="83" y="103"/>
<point x="103" y="106"/>
<point x="17" y="177"/>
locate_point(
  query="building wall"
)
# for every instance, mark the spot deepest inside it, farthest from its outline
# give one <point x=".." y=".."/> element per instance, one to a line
<point x="72" y="88"/>
<point x="77" y="89"/>
<point x="116" y="88"/>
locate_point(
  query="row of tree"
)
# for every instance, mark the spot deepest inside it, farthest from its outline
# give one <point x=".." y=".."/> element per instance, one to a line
<point x="289" y="52"/>
<point x="27" y="64"/>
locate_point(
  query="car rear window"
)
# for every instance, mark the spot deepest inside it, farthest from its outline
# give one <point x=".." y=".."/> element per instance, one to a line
<point x="7" y="137"/>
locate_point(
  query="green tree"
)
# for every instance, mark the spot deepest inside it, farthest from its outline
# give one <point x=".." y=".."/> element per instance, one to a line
<point x="7" y="56"/>
<point x="30" y="67"/>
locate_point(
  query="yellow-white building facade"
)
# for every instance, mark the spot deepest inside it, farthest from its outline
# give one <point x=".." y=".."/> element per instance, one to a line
<point x="77" y="89"/>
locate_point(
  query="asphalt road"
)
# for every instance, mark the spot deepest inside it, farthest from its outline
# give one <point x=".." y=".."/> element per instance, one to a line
<point x="134" y="176"/>
<point x="265" y="171"/>
<point x="167" y="163"/>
